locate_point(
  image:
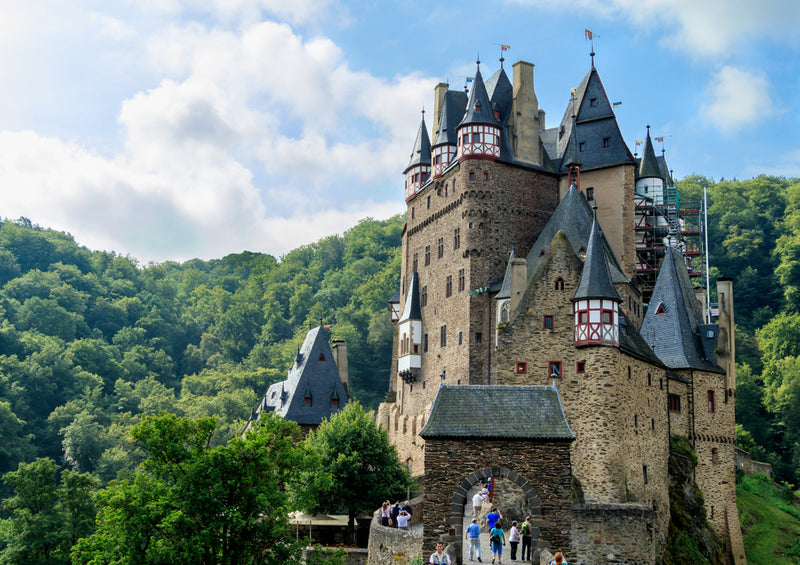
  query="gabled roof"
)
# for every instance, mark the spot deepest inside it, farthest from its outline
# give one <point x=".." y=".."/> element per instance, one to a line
<point x="479" y="107"/>
<point x="421" y="154"/>
<point x="595" y="277"/>
<point x="411" y="309"/>
<point x="313" y="374"/>
<point x="673" y="330"/>
<point x="513" y="412"/>
<point x="574" y="217"/>
<point x="505" y="287"/>
<point x="648" y="165"/>
<point x="453" y="107"/>
<point x="594" y="123"/>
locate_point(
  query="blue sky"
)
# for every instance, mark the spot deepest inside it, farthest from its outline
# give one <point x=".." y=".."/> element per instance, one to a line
<point x="172" y="129"/>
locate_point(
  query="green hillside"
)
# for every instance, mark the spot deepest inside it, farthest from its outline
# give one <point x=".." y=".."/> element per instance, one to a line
<point x="770" y="522"/>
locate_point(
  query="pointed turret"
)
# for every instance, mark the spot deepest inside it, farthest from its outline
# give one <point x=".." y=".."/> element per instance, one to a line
<point x="409" y="355"/>
<point x="673" y="324"/>
<point x="649" y="181"/>
<point x="596" y="302"/>
<point x="479" y="130"/>
<point x="572" y="161"/>
<point x="446" y="143"/>
<point x="419" y="166"/>
<point x="648" y="166"/>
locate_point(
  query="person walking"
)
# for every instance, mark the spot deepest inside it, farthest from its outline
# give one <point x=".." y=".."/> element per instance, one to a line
<point x="473" y="534"/>
<point x="439" y="556"/>
<point x="513" y="540"/>
<point x="386" y="513"/>
<point x="527" y="536"/>
<point x="498" y="538"/>
<point x="477" y="504"/>
<point x="492" y="518"/>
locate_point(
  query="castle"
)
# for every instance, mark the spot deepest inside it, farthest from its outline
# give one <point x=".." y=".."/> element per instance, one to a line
<point x="530" y="346"/>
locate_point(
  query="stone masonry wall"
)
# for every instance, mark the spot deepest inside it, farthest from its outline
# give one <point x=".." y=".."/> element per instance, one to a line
<point x="622" y="534"/>
<point x="453" y="465"/>
<point x="616" y="407"/>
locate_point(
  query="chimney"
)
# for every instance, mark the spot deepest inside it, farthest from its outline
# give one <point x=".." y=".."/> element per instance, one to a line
<point x="339" y="349"/>
<point x="438" y="101"/>
<point x="726" y="341"/>
<point x="524" y="123"/>
<point x="519" y="280"/>
<point x="700" y="296"/>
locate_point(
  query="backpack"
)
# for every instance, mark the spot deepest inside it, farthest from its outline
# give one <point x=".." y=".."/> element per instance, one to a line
<point x="526" y="529"/>
<point x="496" y="539"/>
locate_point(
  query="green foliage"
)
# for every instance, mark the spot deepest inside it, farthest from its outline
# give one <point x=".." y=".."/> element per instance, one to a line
<point x="192" y="503"/>
<point x="355" y="467"/>
<point x="770" y="533"/>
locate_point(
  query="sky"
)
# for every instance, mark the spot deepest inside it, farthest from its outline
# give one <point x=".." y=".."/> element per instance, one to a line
<point x="174" y="129"/>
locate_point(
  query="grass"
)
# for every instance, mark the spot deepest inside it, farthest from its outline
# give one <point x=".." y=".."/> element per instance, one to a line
<point x="770" y="523"/>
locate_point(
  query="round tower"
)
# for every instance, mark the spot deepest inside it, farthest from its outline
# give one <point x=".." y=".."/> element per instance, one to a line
<point x="479" y="131"/>
<point x="419" y="166"/>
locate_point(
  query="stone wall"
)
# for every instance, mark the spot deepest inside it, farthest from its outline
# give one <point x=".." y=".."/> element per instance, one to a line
<point x="453" y="466"/>
<point x="744" y="461"/>
<point x="623" y="534"/>
<point x="393" y="546"/>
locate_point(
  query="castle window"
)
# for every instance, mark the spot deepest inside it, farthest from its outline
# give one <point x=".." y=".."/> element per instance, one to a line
<point x="465" y="138"/>
<point x="661" y="383"/>
<point x="522" y="368"/>
<point x="606" y="141"/>
<point x="443" y="336"/>
<point x="445" y="189"/>
<point x="504" y="312"/>
<point x="307" y="400"/>
<point x="636" y="420"/>
<point x="644" y="474"/>
<point x="661" y="309"/>
<point x="429" y="202"/>
<point x="485" y="176"/>
<point x="548" y="322"/>
<point x="541" y="253"/>
<point x="438" y="160"/>
<point x="593" y="102"/>
<point x="580" y="367"/>
<point x="714" y="456"/>
<point x="427" y="255"/>
<point x="321" y="357"/>
<point x="554" y="369"/>
<point x="423" y="296"/>
<point x="454" y="186"/>
<point x="478" y="337"/>
<point x="462" y="280"/>
<point x="460" y="338"/>
<point x="607" y="316"/>
<point x="674" y="402"/>
<point x="476" y="137"/>
<point x="561" y="132"/>
<point x="424" y="343"/>
<point x="559" y="283"/>
<point x="629" y="371"/>
<point x="412" y="212"/>
<point x="415" y="263"/>
<point x="470" y="225"/>
<point x="649" y="380"/>
<point x="472" y="175"/>
<point x="653" y="424"/>
<point x="441" y="247"/>
<point x="581" y="146"/>
<point x="583" y="317"/>
<point x="590" y="193"/>
<point x="448" y="286"/>
<point x="711" y="405"/>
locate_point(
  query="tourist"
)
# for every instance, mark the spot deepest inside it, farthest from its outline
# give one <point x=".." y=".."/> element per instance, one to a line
<point x="492" y="518"/>
<point x="439" y="556"/>
<point x="407" y="508"/>
<point x="395" y="513"/>
<point x="527" y="532"/>
<point x="477" y="504"/>
<point x="558" y="559"/>
<point x="513" y="540"/>
<point x="473" y="534"/>
<point x="498" y="538"/>
<point x="386" y="514"/>
<point x="403" y="519"/>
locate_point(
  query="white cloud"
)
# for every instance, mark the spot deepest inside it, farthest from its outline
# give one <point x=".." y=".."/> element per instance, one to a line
<point x="738" y="98"/>
<point x="705" y="28"/>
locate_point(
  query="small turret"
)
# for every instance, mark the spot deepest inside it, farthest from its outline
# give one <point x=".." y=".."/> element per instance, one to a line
<point x="409" y="355"/>
<point x="479" y="131"/>
<point x="596" y="302"/>
<point x="446" y="143"/>
<point x="419" y="166"/>
<point x="648" y="176"/>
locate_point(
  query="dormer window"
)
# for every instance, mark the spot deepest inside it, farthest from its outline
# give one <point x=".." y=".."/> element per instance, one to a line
<point x="334" y="399"/>
<point x="477" y="107"/>
<point x="321" y="357"/>
<point x="661" y="309"/>
<point x="307" y="398"/>
<point x="593" y="102"/>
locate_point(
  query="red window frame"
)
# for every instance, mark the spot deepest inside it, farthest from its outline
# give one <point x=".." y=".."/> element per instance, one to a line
<point x="547" y="321"/>
<point x="711" y="403"/>
<point x="522" y="368"/>
<point x="580" y="367"/>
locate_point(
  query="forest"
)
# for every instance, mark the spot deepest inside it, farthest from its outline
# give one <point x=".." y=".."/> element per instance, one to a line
<point x="92" y="343"/>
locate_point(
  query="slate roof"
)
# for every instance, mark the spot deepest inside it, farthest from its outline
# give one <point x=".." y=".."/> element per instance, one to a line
<point x="501" y="93"/>
<point x="574" y="217"/>
<point x="421" y="154"/>
<point x="314" y="373"/>
<point x="412" y="309"/>
<point x="673" y="322"/>
<point x="595" y="277"/>
<point x="483" y="411"/>
<point x="648" y="165"/>
<point x="595" y="121"/>
<point x="453" y="107"/>
<point x="505" y="286"/>
<point x="479" y="107"/>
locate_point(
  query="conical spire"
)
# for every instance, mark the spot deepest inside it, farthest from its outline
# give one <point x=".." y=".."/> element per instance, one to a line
<point x="648" y="166"/>
<point x="479" y="107"/>
<point x="596" y="278"/>
<point x="447" y="126"/>
<point x="412" y="309"/>
<point x="421" y="154"/>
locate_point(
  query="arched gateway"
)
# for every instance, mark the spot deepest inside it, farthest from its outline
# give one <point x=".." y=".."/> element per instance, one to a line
<point x="517" y="433"/>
